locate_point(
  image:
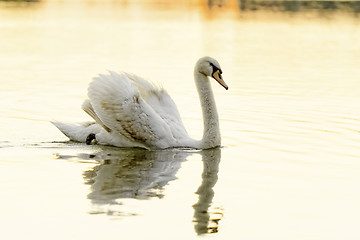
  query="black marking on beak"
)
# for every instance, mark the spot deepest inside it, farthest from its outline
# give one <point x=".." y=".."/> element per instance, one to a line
<point x="215" y="68"/>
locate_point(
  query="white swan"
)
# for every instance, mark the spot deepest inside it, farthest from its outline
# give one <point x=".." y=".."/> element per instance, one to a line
<point x="132" y="112"/>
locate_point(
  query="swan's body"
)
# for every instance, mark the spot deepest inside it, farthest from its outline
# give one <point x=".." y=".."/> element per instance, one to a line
<point x="132" y="112"/>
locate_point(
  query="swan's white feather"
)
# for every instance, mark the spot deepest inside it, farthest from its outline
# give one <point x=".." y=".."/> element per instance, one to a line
<point x="162" y="104"/>
<point x="87" y="107"/>
<point x="78" y="132"/>
<point x="119" y="105"/>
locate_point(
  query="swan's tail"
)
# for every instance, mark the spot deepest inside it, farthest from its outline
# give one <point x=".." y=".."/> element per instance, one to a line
<point x="78" y="132"/>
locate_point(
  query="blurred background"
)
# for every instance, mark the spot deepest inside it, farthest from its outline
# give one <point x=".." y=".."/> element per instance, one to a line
<point x="289" y="166"/>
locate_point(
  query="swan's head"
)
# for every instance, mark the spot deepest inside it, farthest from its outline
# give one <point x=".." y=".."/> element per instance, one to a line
<point x="211" y="68"/>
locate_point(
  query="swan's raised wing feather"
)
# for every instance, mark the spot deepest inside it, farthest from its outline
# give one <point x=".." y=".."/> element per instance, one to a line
<point x="119" y="106"/>
<point x="88" y="108"/>
<point x="162" y="104"/>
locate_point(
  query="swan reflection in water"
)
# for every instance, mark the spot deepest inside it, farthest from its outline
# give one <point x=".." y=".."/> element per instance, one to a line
<point x="142" y="174"/>
<point x="206" y="216"/>
<point x="132" y="173"/>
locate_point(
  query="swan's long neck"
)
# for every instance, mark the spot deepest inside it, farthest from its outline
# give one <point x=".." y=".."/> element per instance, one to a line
<point x="211" y="135"/>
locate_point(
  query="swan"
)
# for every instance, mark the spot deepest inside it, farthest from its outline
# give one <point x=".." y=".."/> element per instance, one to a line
<point x="130" y="111"/>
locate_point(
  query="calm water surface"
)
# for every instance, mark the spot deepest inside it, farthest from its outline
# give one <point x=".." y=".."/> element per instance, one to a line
<point x="289" y="167"/>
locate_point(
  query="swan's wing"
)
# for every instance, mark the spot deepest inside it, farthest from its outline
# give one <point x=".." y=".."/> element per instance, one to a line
<point x="162" y="103"/>
<point x="88" y="108"/>
<point x="119" y="106"/>
<point x="146" y="88"/>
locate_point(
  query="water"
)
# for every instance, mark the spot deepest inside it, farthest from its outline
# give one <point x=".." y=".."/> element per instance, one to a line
<point x="289" y="166"/>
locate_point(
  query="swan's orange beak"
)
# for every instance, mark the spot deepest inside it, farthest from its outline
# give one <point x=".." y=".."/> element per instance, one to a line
<point x="217" y="76"/>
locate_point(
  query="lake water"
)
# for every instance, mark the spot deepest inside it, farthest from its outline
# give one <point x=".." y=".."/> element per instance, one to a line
<point x="289" y="167"/>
